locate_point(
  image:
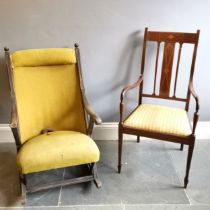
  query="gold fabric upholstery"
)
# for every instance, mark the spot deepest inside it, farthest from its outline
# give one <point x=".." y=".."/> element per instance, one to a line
<point x="160" y="119"/>
<point x="47" y="91"/>
<point x="56" y="149"/>
<point x="43" y="57"/>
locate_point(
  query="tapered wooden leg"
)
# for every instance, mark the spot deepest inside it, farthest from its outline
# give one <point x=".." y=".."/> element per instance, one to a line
<point x="95" y="174"/>
<point x="189" y="158"/>
<point x="138" y="139"/>
<point x="23" y="189"/>
<point x="120" y="144"/>
<point x="23" y="194"/>
<point x="181" y="147"/>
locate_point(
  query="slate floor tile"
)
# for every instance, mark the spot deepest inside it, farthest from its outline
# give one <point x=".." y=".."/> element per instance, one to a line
<point x="47" y="197"/>
<point x="151" y="178"/>
<point x="198" y="189"/>
<point x="147" y="176"/>
<point x="9" y="181"/>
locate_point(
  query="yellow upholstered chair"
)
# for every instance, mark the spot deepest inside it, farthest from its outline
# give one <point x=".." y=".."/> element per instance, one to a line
<point x="156" y="121"/>
<point x="51" y="119"/>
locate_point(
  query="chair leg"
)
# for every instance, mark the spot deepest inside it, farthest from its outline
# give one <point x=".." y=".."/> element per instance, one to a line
<point x="95" y="175"/>
<point x="120" y="144"/>
<point x="189" y="158"/>
<point x="138" y="139"/>
<point x="23" y="189"/>
<point x="181" y="147"/>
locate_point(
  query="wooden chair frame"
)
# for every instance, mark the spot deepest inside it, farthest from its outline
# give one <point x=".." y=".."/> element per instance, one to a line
<point x="90" y="117"/>
<point x="169" y="38"/>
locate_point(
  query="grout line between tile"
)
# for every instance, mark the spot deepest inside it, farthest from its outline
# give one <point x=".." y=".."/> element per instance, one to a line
<point x="106" y="205"/>
<point x="59" y="198"/>
<point x="168" y="204"/>
<point x="188" y="197"/>
<point x="123" y="206"/>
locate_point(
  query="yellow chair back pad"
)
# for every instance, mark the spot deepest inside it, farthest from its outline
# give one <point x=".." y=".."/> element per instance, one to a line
<point x="43" y="57"/>
<point x="48" y="97"/>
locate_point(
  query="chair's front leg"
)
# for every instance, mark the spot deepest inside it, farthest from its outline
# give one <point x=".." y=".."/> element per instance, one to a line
<point x="23" y="189"/>
<point x="120" y="144"/>
<point x="189" y="158"/>
<point x="95" y="175"/>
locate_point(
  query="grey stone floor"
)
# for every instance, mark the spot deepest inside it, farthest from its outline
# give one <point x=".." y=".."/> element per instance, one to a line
<point x="152" y="178"/>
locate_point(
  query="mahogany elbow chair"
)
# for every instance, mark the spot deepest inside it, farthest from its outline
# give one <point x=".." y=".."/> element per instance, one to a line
<point x="163" y="122"/>
<point x="51" y="119"/>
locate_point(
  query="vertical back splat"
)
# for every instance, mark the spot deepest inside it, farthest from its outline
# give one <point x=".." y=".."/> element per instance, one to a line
<point x="156" y="66"/>
<point x="167" y="69"/>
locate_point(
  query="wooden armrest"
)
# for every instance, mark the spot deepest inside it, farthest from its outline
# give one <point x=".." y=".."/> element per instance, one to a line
<point x="125" y="90"/>
<point x="90" y="111"/>
<point x="129" y="87"/>
<point x="192" y="91"/>
<point x="196" y="115"/>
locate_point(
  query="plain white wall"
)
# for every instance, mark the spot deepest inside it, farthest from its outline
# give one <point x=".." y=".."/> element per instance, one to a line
<point x="110" y="34"/>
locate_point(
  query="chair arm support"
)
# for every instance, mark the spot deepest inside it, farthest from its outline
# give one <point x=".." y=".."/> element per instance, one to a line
<point x="125" y="90"/>
<point x="129" y="87"/>
<point x="195" y="96"/>
<point x="14" y="121"/>
<point x="90" y="111"/>
<point x="94" y="118"/>
<point x="196" y="113"/>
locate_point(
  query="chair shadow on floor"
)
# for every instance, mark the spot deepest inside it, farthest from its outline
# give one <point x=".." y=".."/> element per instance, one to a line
<point x="9" y="182"/>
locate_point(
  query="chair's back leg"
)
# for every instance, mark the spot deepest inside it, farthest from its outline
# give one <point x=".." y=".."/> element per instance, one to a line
<point x="189" y="158"/>
<point x="181" y="147"/>
<point x="138" y="139"/>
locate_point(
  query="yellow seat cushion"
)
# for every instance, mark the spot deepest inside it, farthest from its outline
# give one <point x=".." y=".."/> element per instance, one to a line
<point x="160" y="119"/>
<point x="56" y="149"/>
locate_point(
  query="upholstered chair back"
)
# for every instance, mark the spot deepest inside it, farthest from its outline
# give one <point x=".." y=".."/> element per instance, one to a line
<point x="47" y="90"/>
